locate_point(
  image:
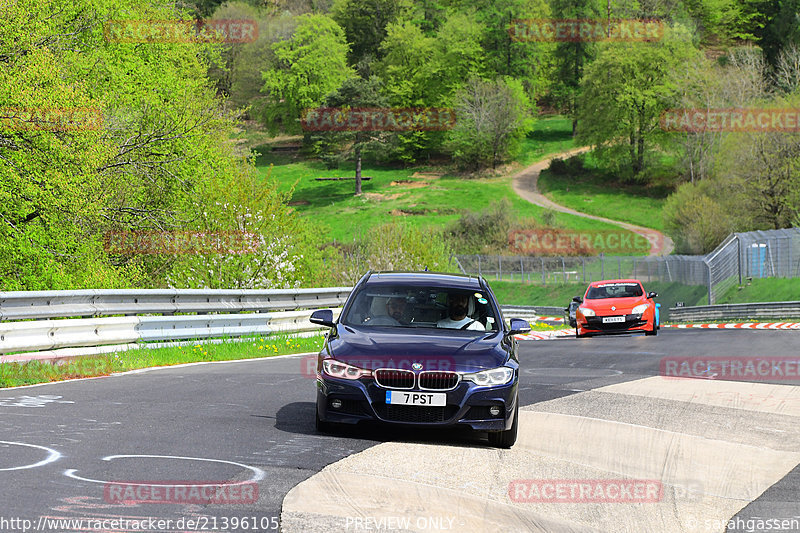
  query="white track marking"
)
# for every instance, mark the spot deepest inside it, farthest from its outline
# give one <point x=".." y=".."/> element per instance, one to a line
<point x="258" y="474"/>
<point x="51" y="457"/>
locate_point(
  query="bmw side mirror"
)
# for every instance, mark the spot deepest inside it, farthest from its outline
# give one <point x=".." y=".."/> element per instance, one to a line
<point x="323" y="317"/>
<point x="519" y="326"/>
<point x="652" y="294"/>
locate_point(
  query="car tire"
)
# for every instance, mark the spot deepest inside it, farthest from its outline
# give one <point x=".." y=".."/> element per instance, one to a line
<point x="653" y="331"/>
<point x="506" y="439"/>
<point x="321" y="426"/>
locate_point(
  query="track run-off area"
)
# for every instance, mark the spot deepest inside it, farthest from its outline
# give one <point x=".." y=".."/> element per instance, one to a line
<point x="606" y="444"/>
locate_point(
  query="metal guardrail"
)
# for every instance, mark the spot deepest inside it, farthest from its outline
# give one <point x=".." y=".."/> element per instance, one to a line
<point x="44" y="326"/>
<point x="778" y="310"/>
<point x="103" y="302"/>
<point x="39" y="335"/>
<point x="522" y="311"/>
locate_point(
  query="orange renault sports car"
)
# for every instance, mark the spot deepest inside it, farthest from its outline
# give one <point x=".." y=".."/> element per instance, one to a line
<point x="616" y="306"/>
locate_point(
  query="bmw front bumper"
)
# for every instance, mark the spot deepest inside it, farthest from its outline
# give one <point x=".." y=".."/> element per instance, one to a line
<point x="467" y="405"/>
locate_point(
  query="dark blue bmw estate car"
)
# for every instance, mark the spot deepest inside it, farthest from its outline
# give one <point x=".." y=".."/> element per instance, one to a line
<point x="423" y="349"/>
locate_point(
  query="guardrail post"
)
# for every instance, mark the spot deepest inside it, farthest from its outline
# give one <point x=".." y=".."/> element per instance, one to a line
<point x="710" y="291"/>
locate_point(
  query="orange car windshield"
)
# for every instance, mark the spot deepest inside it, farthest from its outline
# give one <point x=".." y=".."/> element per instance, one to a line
<point x="614" y="290"/>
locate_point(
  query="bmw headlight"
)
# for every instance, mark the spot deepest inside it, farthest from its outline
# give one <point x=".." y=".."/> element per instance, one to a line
<point x="495" y="376"/>
<point x="337" y="369"/>
<point x="585" y="311"/>
<point x="639" y="309"/>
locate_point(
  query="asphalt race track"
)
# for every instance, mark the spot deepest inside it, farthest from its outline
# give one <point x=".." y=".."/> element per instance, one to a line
<point x="726" y="453"/>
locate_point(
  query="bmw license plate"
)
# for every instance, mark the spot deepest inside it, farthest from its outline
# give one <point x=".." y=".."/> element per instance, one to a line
<point x="436" y="399"/>
<point x="612" y="319"/>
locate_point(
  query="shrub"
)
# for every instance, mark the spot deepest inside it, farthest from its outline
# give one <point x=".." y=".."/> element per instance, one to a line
<point x="392" y="246"/>
<point x="695" y="221"/>
<point x="558" y="167"/>
<point x="483" y="231"/>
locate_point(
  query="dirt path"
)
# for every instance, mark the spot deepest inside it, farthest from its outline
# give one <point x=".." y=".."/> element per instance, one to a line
<point x="525" y="185"/>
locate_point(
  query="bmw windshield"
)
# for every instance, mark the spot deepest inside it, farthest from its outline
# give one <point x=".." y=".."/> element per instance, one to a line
<point x="424" y="307"/>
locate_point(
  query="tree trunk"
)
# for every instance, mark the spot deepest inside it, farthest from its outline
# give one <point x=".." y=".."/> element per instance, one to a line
<point x="640" y="154"/>
<point x="358" y="171"/>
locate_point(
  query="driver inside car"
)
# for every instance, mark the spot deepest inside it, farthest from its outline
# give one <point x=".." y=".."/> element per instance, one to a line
<point x="457" y="318"/>
<point x="396" y="308"/>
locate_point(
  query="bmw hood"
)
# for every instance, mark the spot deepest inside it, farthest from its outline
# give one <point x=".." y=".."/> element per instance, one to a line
<point x="418" y="348"/>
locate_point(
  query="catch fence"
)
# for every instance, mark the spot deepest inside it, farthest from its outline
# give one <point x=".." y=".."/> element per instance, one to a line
<point x="756" y="254"/>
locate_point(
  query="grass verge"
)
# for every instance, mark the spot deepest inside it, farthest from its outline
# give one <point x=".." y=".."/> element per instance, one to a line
<point x="764" y="290"/>
<point x="594" y="194"/>
<point x="29" y="373"/>
<point x="421" y="196"/>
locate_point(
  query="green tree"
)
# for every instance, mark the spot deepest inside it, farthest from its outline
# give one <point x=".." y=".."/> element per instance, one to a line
<point x="527" y="61"/>
<point x="623" y="94"/>
<point x="459" y="54"/>
<point x="271" y="247"/>
<point x="410" y="79"/>
<point x="571" y="57"/>
<point x="429" y="15"/>
<point x="492" y="118"/>
<point x="781" y="30"/>
<point x="407" y="69"/>
<point x="365" y="25"/>
<point x="307" y="67"/>
<point x="354" y="93"/>
<point x="695" y="219"/>
<point x="147" y="161"/>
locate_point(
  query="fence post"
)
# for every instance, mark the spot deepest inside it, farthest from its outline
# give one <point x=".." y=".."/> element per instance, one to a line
<point x="563" y="269"/>
<point x="619" y="267"/>
<point x="602" y="265"/>
<point x="583" y="261"/>
<point x="479" y="266"/>
<point x="710" y="291"/>
<point x="499" y="268"/>
<point x="521" y="271"/>
<point x="544" y="281"/>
